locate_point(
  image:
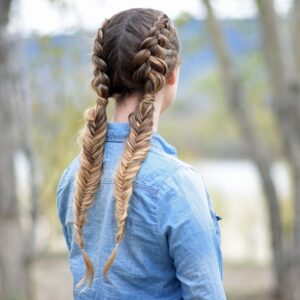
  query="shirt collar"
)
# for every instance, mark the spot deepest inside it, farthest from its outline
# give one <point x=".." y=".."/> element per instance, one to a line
<point x="119" y="131"/>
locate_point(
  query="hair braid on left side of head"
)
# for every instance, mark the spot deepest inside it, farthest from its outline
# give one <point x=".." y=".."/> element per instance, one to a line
<point x="91" y="156"/>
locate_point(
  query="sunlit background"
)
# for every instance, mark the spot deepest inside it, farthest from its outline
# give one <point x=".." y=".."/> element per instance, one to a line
<point x="236" y="118"/>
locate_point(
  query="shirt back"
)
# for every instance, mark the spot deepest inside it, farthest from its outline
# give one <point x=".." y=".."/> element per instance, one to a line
<point x="172" y="244"/>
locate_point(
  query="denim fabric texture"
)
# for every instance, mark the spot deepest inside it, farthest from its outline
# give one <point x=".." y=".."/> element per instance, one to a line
<point x="172" y="243"/>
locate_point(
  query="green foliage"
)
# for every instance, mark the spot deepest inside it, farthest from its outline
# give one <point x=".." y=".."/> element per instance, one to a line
<point x="286" y="208"/>
<point x="256" y="90"/>
<point x="55" y="141"/>
<point x="57" y="117"/>
<point x="183" y="19"/>
<point x="212" y="126"/>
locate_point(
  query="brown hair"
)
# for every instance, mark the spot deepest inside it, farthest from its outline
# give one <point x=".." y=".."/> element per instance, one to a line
<point x="134" y="52"/>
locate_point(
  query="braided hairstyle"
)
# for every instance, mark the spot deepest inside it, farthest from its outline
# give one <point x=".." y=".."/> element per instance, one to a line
<point x="134" y="52"/>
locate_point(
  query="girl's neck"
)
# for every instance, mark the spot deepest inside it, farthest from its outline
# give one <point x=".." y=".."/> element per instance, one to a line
<point x="126" y="105"/>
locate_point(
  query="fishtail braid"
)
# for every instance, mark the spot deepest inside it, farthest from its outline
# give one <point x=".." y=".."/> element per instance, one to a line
<point x="92" y="151"/>
<point x="151" y="71"/>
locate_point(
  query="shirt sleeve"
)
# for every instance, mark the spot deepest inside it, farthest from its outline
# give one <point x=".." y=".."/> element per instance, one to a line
<point x="62" y="195"/>
<point x="64" y="199"/>
<point x="186" y="220"/>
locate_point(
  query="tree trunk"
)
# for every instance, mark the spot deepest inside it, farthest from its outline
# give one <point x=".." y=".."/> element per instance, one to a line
<point x="295" y="32"/>
<point x="285" y="91"/>
<point x="25" y="144"/>
<point x="14" y="277"/>
<point x="255" y="146"/>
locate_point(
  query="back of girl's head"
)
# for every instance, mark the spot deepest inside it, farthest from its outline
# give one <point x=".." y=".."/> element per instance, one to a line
<point x="134" y="52"/>
<point x="129" y="32"/>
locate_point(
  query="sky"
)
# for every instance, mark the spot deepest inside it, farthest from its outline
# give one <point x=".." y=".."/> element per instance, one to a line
<point x="48" y="17"/>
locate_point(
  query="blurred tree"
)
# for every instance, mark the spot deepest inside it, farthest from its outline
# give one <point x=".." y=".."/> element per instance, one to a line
<point x="294" y="35"/>
<point x="15" y="279"/>
<point x="284" y="79"/>
<point x="256" y="147"/>
<point x="285" y="94"/>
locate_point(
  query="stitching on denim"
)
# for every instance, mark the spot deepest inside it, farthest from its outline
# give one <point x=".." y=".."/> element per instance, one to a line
<point x="161" y="152"/>
<point x="164" y="182"/>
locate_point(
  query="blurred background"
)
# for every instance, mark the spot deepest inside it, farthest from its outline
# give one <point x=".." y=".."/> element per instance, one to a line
<point x="237" y="118"/>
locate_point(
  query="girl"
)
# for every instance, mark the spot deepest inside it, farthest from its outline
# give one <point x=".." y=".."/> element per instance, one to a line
<point x="138" y="221"/>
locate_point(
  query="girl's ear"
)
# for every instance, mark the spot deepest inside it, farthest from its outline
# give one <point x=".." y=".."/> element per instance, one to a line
<point x="172" y="79"/>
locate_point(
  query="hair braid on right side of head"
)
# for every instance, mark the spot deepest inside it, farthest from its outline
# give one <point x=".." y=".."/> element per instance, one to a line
<point x="150" y="70"/>
<point x="92" y="151"/>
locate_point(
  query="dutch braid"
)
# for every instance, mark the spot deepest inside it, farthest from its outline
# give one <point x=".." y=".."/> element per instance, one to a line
<point x="151" y="70"/>
<point x="91" y="158"/>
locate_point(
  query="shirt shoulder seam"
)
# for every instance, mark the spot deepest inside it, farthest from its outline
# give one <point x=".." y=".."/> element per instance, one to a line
<point x="164" y="182"/>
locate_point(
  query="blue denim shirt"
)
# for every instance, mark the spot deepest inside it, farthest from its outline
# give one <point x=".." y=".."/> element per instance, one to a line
<point x="172" y="244"/>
